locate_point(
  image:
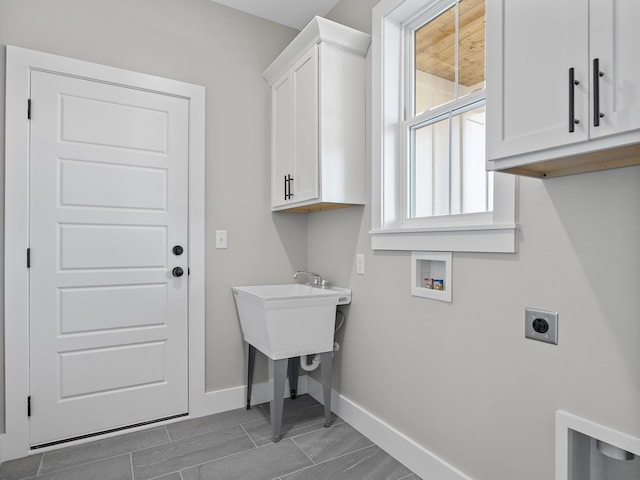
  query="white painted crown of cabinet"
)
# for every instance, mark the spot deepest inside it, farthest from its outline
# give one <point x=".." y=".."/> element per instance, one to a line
<point x="318" y="119"/>
<point x="563" y="86"/>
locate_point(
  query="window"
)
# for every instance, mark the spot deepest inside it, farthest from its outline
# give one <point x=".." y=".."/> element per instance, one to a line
<point x="430" y="187"/>
<point x="444" y="111"/>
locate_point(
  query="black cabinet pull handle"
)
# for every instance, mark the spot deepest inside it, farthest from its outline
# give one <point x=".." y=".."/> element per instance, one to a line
<point x="287" y="187"/>
<point x="572" y="94"/>
<point x="597" y="115"/>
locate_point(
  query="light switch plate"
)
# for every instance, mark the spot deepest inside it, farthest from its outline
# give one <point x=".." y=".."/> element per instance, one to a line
<point x="221" y="239"/>
<point x="360" y="264"/>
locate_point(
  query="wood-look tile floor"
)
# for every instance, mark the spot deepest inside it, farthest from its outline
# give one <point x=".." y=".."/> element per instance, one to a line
<point x="233" y="445"/>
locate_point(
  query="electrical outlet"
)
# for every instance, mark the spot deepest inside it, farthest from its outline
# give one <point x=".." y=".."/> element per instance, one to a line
<point x="541" y="325"/>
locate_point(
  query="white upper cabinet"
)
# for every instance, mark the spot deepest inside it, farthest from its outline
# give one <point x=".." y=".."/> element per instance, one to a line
<point x="563" y="86"/>
<point x="318" y="119"/>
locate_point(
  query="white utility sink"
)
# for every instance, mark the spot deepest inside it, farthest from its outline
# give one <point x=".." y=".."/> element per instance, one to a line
<point x="284" y="321"/>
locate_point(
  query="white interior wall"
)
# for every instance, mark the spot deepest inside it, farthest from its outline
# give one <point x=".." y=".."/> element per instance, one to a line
<point x="460" y="379"/>
<point x="226" y="51"/>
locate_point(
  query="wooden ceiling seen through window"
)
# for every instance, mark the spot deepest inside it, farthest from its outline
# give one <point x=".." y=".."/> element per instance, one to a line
<point x="435" y="44"/>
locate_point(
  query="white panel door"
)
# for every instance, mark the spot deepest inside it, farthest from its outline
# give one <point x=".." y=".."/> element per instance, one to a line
<point x="108" y="202"/>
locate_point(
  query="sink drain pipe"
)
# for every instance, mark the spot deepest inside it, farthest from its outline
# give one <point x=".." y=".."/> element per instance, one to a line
<point x="310" y="367"/>
<point x="315" y="359"/>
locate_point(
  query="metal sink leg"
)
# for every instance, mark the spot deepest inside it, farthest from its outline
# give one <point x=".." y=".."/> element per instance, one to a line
<point x="294" y="368"/>
<point x="277" y="376"/>
<point x="326" y="363"/>
<point x="250" y="355"/>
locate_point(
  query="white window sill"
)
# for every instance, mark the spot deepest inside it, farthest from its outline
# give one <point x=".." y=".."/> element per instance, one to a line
<point x="493" y="238"/>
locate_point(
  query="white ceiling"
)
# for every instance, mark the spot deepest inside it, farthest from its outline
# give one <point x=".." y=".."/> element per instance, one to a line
<point x="292" y="13"/>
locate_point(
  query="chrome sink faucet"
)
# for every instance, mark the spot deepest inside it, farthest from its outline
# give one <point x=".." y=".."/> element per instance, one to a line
<point x="314" y="278"/>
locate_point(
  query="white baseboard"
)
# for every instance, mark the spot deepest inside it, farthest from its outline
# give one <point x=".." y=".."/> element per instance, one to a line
<point x="232" y="398"/>
<point x="421" y="461"/>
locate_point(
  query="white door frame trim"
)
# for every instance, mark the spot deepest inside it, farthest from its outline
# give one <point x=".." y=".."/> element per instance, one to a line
<point x="19" y="63"/>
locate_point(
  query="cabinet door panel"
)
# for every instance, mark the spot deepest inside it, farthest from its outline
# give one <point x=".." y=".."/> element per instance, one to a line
<point x="531" y="45"/>
<point x="342" y="124"/>
<point x="281" y="148"/>
<point x="614" y="42"/>
<point x="305" y="127"/>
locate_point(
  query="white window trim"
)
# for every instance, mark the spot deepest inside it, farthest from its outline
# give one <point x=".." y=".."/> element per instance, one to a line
<point x="494" y="232"/>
